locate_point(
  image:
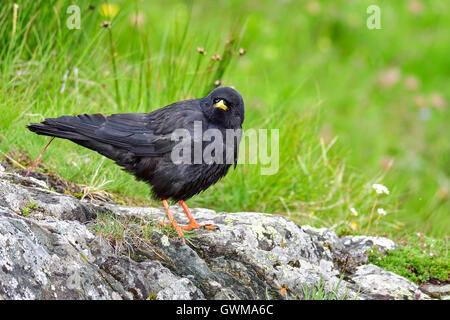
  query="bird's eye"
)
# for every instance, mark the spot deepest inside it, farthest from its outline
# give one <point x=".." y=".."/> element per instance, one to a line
<point x="221" y="104"/>
<point x="217" y="100"/>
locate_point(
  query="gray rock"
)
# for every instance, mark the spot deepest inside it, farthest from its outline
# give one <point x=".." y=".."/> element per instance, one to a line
<point x="439" y="290"/>
<point x="376" y="283"/>
<point x="182" y="289"/>
<point x="53" y="252"/>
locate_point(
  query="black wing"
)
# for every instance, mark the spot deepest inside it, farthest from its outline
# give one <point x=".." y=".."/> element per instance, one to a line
<point x="141" y="134"/>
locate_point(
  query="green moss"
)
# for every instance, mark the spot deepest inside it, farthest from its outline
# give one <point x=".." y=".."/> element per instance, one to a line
<point x="29" y="208"/>
<point x="418" y="259"/>
<point x="151" y="296"/>
<point x="25" y="211"/>
<point x="32" y="205"/>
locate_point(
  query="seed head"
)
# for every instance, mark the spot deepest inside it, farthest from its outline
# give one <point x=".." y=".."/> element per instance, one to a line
<point x="106" y="24"/>
<point x="230" y="40"/>
<point x="216" y="57"/>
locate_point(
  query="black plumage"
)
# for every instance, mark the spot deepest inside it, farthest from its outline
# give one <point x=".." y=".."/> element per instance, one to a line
<point x="142" y="142"/>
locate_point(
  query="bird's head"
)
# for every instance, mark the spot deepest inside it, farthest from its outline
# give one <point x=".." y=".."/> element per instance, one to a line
<point x="225" y="105"/>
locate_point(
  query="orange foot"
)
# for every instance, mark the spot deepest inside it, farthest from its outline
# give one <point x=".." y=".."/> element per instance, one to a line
<point x="192" y="226"/>
<point x="199" y="226"/>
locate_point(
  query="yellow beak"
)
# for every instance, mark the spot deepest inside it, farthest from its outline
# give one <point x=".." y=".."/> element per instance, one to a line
<point x="221" y="105"/>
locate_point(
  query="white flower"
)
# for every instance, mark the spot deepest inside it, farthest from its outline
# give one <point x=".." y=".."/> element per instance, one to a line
<point x="379" y="188"/>
<point x="381" y="211"/>
<point x="354" y="212"/>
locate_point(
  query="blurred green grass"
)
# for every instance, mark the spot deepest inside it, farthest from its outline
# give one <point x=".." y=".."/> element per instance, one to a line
<point x="312" y="69"/>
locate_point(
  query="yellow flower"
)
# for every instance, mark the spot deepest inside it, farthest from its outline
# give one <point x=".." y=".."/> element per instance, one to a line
<point x="354" y="226"/>
<point x="109" y="10"/>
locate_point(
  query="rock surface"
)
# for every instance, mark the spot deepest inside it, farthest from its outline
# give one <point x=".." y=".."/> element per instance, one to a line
<point x="52" y="246"/>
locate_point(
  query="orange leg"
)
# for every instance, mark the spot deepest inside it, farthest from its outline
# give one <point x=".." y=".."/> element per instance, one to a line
<point x="194" y="224"/>
<point x="172" y="220"/>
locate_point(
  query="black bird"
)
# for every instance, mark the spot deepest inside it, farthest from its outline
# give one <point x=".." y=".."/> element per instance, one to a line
<point x="142" y="143"/>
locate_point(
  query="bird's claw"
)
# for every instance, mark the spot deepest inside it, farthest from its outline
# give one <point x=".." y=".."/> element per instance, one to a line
<point x="192" y="226"/>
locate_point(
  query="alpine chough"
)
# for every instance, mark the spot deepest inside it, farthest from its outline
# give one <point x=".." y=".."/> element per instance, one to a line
<point x="143" y="144"/>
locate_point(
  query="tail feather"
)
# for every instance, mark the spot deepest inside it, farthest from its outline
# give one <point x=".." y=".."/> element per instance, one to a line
<point x="48" y="130"/>
<point x="81" y="130"/>
<point x="79" y="127"/>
